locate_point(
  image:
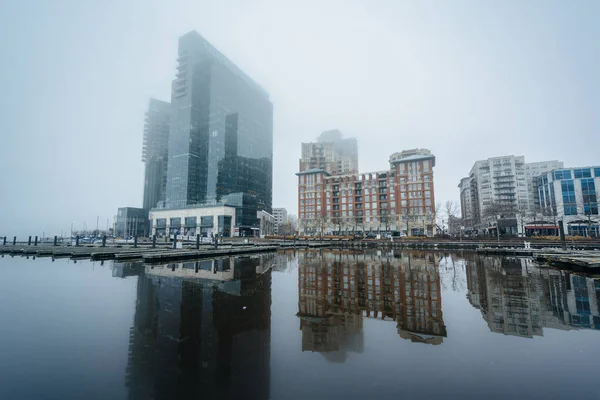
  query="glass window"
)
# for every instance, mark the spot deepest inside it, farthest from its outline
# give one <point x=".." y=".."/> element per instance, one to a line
<point x="562" y="174"/>
<point x="597" y="172"/>
<point x="582" y="173"/>
<point x="207" y="222"/>
<point x="190" y="222"/>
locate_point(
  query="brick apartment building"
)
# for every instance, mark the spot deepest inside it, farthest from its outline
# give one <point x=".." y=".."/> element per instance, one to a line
<point x="398" y="201"/>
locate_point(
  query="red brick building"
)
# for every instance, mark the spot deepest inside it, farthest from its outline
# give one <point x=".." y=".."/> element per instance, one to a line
<point x="399" y="200"/>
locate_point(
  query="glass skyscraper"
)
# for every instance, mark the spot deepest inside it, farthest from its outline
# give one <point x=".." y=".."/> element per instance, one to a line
<point x="221" y="136"/>
<point x="155" y="152"/>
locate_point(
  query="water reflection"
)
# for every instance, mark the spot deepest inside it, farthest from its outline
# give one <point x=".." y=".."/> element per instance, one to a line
<point x="201" y="329"/>
<point x="517" y="297"/>
<point x="338" y="289"/>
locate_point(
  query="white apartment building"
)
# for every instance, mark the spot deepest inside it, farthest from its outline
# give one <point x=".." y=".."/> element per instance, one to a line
<point x="499" y="184"/>
<point x="280" y="216"/>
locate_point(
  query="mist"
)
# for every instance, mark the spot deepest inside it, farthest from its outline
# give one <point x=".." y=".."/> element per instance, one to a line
<point x="468" y="80"/>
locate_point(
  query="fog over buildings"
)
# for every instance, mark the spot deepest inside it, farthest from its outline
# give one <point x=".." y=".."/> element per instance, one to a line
<point x="467" y="80"/>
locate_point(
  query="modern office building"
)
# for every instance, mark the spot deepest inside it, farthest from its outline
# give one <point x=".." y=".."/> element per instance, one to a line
<point x="155" y="152"/>
<point x="221" y="134"/>
<point x="571" y="195"/>
<point x="331" y="152"/>
<point x="398" y="200"/>
<point x="280" y="215"/>
<point x="131" y="221"/>
<point x="500" y="192"/>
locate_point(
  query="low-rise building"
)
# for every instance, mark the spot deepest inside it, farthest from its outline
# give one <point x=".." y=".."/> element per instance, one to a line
<point x="571" y="195"/>
<point x="266" y="222"/>
<point x="235" y="215"/>
<point x="131" y="221"/>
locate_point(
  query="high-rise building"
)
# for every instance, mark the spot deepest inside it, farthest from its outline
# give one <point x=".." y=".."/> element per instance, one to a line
<point x="221" y="136"/>
<point x="155" y="152"/>
<point x="400" y="199"/>
<point x="280" y="215"/>
<point x="500" y="192"/>
<point x="331" y="152"/>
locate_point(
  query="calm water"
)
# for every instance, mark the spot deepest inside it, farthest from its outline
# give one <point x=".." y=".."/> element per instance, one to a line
<point x="298" y="325"/>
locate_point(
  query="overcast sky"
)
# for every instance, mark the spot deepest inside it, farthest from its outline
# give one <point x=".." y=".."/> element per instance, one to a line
<point x="466" y="79"/>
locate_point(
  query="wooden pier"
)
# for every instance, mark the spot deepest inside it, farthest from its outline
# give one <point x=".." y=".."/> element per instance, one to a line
<point x="588" y="260"/>
<point x="147" y="254"/>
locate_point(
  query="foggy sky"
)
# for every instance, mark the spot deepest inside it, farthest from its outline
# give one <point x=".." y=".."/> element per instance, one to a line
<point x="467" y="79"/>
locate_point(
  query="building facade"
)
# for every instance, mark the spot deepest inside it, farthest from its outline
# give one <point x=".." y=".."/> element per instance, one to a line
<point x="338" y="289"/>
<point x="266" y="223"/>
<point x="131" y="221"/>
<point x="398" y="200"/>
<point x="221" y="132"/>
<point x="189" y="222"/>
<point x="331" y="152"/>
<point x="280" y="215"/>
<point x="155" y="152"/>
<point x="518" y="298"/>
<point x="571" y="195"/>
<point x="234" y="215"/>
<point x="500" y="193"/>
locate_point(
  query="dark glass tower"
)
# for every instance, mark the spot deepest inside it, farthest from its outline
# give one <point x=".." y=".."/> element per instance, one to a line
<point x="221" y="137"/>
<point x="155" y="152"/>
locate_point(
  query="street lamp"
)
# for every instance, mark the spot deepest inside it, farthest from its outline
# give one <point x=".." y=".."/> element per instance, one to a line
<point x="498" y="228"/>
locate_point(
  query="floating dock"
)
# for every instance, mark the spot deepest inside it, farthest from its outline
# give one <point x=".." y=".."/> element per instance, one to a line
<point x="142" y="253"/>
<point x="580" y="260"/>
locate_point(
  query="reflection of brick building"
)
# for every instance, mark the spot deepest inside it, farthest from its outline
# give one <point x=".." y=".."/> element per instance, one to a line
<point x="338" y="288"/>
<point x="197" y="337"/>
<point x="518" y="298"/>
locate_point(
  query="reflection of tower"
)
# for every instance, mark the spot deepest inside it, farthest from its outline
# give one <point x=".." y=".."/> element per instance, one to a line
<point x="420" y="319"/>
<point x="337" y="289"/>
<point x="518" y="298"/>
<point x="199" y="337"/>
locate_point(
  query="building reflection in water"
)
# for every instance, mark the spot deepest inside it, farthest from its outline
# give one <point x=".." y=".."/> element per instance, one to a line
<point x="517" y="297"/>
<point x="338" y="288"/>
<point x="201" y="329"/>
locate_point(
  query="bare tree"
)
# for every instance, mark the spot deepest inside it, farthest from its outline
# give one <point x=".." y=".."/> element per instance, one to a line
<point x="452" y="212"/>
<point x="502" y="209"/>
<point x="497" y="210"/>
<point x="321" y="221"/>
<point x="290" y="225"/>
<point x="588" y="200"/>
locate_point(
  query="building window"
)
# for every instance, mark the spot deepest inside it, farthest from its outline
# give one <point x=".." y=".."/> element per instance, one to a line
<point x="582" y="173"/>
<point x="562" y="174"/>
